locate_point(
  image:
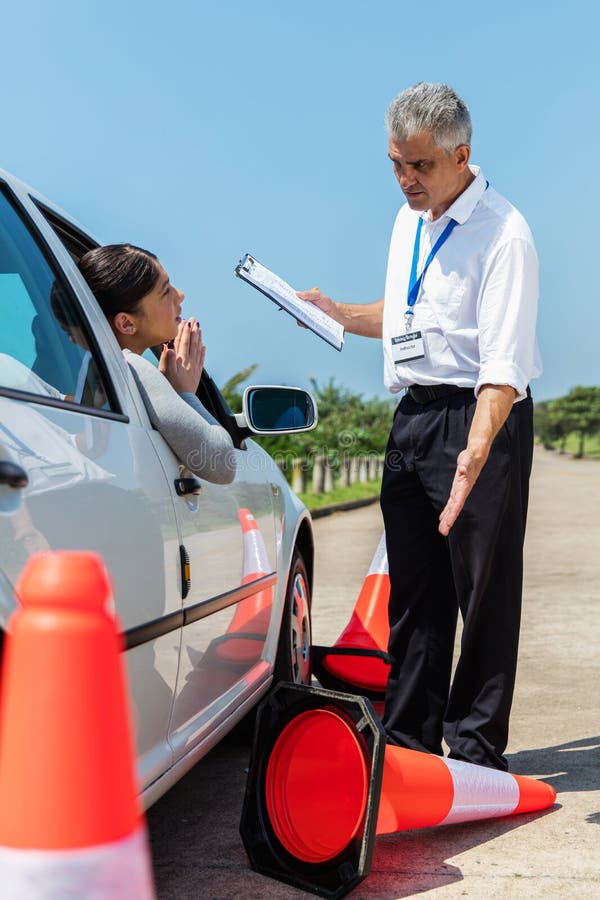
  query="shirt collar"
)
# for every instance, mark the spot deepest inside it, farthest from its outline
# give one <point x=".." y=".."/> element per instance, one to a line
<point x="466" y="202"/>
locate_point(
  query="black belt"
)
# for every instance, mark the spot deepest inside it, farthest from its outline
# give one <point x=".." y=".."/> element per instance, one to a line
<point x="422" y="394"/>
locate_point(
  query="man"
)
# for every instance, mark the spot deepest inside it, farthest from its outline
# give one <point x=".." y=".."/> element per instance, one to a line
<point x="458" y="329"/>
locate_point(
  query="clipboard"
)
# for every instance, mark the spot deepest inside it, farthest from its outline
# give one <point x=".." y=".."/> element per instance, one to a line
<point x="280" y="292"/>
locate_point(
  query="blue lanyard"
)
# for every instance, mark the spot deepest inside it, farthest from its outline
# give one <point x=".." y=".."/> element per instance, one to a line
<point x="414" y="284"/>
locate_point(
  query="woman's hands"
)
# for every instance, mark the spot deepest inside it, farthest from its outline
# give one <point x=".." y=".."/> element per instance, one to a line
<point x="182" y="363"/>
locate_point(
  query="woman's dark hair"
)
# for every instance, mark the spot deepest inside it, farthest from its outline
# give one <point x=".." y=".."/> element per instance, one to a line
<point x="119" y="275"/>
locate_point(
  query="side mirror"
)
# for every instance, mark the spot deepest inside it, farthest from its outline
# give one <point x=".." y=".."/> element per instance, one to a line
<point x="277" y="410"/>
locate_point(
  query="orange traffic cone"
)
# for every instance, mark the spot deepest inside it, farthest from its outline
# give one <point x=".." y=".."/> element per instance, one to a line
<point x="322" y="783"/>
<point x="244" y="639"/>
<point x="358" y="662"/>
<point x="70" y="821"/>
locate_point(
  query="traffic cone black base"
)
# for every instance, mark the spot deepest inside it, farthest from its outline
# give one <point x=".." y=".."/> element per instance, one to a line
<point x="327" y="661"/>
<point x="324" y="853"/>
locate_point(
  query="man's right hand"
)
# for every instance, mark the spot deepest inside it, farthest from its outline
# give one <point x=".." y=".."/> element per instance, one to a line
<point x="324" y="303"/>
<point x="365" y="319"/>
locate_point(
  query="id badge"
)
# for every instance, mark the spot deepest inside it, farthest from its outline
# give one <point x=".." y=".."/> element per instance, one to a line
<point x="407" y="347"/>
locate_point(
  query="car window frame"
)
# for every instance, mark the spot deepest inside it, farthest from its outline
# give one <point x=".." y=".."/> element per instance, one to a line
<point x="116" y="412"/>
<point x="67" y="232"/>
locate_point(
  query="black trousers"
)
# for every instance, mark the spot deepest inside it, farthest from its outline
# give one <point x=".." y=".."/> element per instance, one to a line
<point x="478" y="569"/>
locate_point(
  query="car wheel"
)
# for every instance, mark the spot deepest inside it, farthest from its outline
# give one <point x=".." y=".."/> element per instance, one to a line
<point x="293" y="653"/>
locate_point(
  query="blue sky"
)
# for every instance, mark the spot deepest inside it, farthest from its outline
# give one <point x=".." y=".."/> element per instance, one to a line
<point x="204" y="131"/>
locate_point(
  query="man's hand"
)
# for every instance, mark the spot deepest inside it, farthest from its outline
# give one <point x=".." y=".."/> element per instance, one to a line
<point x="494" y="403"/>
<point x="468" y="468"/>
<point x="182" y="363"/>
<point x="324" y="303"/>
<point x="365" y="319"/>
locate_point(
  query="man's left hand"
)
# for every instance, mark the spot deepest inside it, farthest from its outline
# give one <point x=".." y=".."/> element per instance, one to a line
<point x="468" y="468"/>
<point x="494" y="404"/>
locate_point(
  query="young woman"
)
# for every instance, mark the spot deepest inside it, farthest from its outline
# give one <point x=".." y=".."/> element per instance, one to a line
<point x="144" y="310"/>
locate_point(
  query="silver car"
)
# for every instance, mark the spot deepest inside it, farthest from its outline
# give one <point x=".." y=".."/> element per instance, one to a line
<point x="212" y="583"/>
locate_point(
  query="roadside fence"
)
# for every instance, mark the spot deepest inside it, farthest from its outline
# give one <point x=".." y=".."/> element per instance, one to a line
<point x="321" y="474"/>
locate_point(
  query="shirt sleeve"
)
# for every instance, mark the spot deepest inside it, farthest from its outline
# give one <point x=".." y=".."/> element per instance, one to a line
<point x="506" y="314"/>
<point x="192" y="434"/>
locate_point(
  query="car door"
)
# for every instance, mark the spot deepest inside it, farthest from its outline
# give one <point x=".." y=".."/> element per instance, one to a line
<point x="227" y="548"/>
<point x="69" y="421"/>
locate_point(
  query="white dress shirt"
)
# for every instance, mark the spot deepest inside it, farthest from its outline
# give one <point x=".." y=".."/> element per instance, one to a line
<point x="477" y="303"/>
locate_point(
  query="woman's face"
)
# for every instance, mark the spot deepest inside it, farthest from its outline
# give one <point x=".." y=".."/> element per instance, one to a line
<point x="158" y="314"/>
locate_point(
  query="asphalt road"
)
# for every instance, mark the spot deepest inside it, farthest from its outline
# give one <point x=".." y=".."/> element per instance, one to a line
<point x="555" y="733"/>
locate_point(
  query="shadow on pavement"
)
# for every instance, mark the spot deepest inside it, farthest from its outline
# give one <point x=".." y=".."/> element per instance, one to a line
<point x="574" y="766"/>
<point x="413" y="862"/>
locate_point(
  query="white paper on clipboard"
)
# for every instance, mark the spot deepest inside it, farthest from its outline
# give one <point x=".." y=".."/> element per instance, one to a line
<point x="278" y="290"/>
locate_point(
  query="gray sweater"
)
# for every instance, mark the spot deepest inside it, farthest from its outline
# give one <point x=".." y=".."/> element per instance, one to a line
<point x="190" y="431"/>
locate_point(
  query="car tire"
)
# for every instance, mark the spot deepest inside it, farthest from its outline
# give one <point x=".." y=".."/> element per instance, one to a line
<point x="293" y="662"/>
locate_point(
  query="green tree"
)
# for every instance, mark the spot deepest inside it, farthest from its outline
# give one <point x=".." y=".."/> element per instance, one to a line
<point x="549" y="426"/>
<point x="579" y="411"/>
<point x="230" y="388"/>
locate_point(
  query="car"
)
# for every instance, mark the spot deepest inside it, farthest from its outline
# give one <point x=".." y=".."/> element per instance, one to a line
<point x="212" y="583"/>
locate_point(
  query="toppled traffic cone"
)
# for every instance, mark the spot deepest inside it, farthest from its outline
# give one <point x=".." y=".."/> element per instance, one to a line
<point x="70" y="820"/>
<point x="245" y="637"/>
<point x="358" y="662"/>
<point x="322" y="783"/>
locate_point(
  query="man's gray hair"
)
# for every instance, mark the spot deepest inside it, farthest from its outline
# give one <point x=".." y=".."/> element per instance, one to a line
<point x="434" y="108"/>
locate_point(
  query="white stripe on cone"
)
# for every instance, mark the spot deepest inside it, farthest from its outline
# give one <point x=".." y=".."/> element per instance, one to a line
<point x="379" y="563"/>
<point x="117" y="871"/>
<point x="255" y="559"/>
<point x="480" y="792"/>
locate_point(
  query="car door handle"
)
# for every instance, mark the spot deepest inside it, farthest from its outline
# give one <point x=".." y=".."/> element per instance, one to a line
<point x="12" y="474"/>
<point x="185" y="486"/>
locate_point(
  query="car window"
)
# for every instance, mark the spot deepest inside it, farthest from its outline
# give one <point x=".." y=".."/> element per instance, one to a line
<point x="45" y="346"/>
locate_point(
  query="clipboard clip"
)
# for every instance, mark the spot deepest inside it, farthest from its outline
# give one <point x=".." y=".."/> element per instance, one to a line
<point x="245" y="265"/>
